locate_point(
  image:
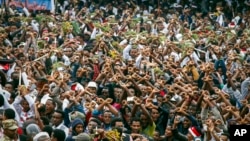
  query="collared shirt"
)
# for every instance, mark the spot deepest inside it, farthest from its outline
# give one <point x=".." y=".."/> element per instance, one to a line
<point x="62" y="127"/>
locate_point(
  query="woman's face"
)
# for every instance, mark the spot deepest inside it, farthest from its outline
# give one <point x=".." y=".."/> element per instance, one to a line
<point x="168" y="131"/>
<point x="155" y="114"/>
<point x="25" y="106"/>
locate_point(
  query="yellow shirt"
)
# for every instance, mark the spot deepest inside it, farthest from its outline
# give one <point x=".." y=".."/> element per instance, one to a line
<point x="149" y="130"/>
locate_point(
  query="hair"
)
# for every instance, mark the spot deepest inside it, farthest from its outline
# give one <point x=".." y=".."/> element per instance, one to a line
<point x="45" y="120"/>
<point x="9" y="113"/>
<point x="60" y="112"/>
<point x="13" y="95"/>
<point x="1" y="100"/>
<point x="59" y="134"/>
<point x="114" y="120"/>
<point x="135" y="119"/>
<point x="53" y="101"/>
<point x="96" y="121"/>
<point x="9" y="83"/>
<point x="48" y="129"/>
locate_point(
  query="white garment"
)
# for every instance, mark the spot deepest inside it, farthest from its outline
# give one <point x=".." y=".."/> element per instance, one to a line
<point x="62" y="127"/>
<point x="66" y="59"/>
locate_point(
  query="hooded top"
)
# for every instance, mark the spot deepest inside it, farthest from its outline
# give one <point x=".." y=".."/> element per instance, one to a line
<point x="73" y="125"/>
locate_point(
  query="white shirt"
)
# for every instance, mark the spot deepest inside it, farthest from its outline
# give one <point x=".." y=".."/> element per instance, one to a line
<point x="62" y="127"/>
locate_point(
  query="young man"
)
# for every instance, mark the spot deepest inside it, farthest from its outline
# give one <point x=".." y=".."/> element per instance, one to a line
<point x="136" y="132"/>
<point x="57" y="121"/>
<point x="118" y="123"/>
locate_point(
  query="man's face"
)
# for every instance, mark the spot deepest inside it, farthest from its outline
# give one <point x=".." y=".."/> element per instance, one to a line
<point x="79" y="128"/>
<point x="186" y="123"/>
<point x="136" y="126"/>
<point x="68" y="52"/>
<point x="171" y="113"/>
<point x="49" y="106"/>
<point x="105" y="93"/>
<point x="92" y="125"/>
<point x="118" y="92"/>
<point x="92" y="90"/>
<point x="57" y="119"/>
<point x="8" y="87"/>
<point x="10" y="133"/>
<point x="17" y="69"/>
<point x="119" y="124"/>
<point x="133" y="53"/>
<point x="107" y="117"/>
<point x="132" y="92"/>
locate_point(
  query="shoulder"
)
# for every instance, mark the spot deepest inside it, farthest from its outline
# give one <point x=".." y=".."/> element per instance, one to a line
<point x="63" y="127"/>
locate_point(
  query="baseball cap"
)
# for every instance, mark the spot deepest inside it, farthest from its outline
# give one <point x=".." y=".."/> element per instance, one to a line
<point x="9" y="124"/>
<point x="82" y="137"/>
<point x="92" y="84"/>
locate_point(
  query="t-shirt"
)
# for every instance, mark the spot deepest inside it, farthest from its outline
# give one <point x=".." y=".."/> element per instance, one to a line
<point x="149" y="130"/>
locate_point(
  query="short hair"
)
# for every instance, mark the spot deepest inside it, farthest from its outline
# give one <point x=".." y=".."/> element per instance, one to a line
<point x="46" y="120"/>
<point x="1" y="100"/>
<point x="114" y="120"/>
<point x="13" y="95"/>
<point x="48" y="129"/>
<point x="53" y="101"/>
<point x="9" y="113"/>
<point x="135" y="119"/>
<point x="59" y="134"/>
<point x="96" y="121"/>
<point x="60" y="112"/>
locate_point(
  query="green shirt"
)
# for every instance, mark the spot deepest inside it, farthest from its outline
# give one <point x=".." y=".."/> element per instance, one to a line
<point x="149" y="130"/>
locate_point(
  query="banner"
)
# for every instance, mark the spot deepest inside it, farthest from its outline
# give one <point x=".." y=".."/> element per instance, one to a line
<point x="31" y="5"/>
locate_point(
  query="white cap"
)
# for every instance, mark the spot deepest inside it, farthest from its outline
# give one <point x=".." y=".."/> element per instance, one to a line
<point x="178" y="37"/>
<point x="41" y="136"/>
<point x="92" y="84"/>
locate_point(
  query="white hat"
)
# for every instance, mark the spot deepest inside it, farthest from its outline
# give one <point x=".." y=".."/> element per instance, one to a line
<point x="21" y="44"/>
<point x="41" y="136"/>
<point x="178" y="37"/>
<point x="92" y="84"/>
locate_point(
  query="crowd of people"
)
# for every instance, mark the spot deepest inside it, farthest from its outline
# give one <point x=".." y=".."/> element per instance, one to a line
<point x="125" y="70"/>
